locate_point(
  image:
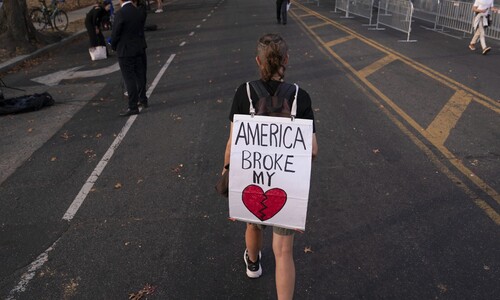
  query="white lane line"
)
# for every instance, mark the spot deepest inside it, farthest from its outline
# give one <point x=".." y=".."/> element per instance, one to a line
<point x="182" y="44"/>
<point x="28" y="275"/>
<point x="73" y="209"/>
<point x="204" y="20"/>
<point x="198" y="26"/>
<point x="192" y="33"/>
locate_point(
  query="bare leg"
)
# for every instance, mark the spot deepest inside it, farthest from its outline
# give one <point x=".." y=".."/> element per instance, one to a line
<point x="285" y="266"/>
<point x="253" y="239"/>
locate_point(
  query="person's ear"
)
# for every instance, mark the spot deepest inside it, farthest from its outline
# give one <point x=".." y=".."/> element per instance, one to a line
<point x="285" y="61"/>
<point x="257" y="60"/>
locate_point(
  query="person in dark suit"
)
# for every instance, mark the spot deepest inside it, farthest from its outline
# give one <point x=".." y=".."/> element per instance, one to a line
<point x="128" y="40"/>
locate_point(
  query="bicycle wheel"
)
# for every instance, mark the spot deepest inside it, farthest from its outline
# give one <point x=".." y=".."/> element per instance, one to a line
<point x="38" y="19"/>
<point x="60" y="20"/>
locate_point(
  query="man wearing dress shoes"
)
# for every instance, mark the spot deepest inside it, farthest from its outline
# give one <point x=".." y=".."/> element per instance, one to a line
<point x="128" y="40"/>
<point x="130" y="112"/>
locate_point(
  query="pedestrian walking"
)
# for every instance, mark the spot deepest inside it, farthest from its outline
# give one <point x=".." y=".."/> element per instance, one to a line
<point x="159" y="8"/>
<point x="282" y="10"/>
<point x="94" y="21"/>
<point x="272" y="58"/>
<point x="128" y="40"/>
<point x="483" y="10"/>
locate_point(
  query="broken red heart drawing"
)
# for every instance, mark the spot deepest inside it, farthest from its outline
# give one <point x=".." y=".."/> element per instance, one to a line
<point x="263" y="205"/>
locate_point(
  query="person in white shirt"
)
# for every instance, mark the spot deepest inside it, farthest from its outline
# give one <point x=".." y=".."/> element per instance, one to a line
<point x="482" y="8"/>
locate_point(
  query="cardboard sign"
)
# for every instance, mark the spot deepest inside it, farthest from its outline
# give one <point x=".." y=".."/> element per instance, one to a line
<point x="270" y="170"/>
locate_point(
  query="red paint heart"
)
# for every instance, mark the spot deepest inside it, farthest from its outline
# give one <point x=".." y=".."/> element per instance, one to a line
<point x="263" y="205"/>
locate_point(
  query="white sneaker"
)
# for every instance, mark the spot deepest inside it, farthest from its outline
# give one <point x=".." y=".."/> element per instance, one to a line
<point x="159" y="10"/>
<point x="254" y="269"/>
<point x="125" y="94"/>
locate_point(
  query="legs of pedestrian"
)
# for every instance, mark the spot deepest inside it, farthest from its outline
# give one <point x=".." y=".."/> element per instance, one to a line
<point x="283" y="11"/>
<point x="253" y="238"/>
<point x="128" y="69"/>
<point x="141" y="72"/>
<point x="278" y="9"/>
<point x="285" y="266"/>
<point x="479" y="35"/>
<point x="159" y="9"/>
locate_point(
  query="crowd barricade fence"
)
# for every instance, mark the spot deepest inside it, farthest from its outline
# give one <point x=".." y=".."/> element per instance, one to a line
<point x="455" y="15"/>
<point x="362" y="8"/>
<point x="396" y="14"/>
<point x="427" y="10"/>
<point x="343" y="5"/>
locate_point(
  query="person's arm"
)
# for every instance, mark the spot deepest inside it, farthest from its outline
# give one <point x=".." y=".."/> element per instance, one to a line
<point x="476" y="9"/>
<point x="117" y="28"/>
<point x="314" y="147"/>
<point x="227" y="153"/>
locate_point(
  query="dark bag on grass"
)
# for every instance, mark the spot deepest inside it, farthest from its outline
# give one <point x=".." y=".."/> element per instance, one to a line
<point x="25" y="103"/>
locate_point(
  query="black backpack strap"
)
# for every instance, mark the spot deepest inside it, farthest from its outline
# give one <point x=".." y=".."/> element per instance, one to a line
<point x="259" y="88"/>
<point x="289" y="92"/>
<point x="285" y="90"/>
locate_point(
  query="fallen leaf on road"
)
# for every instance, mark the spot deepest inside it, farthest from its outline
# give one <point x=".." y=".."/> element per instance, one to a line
<point x="65" y="135"/>
<point x="308" y="250"/>
<point x="118" y="185"/>
<point x="53" y="158"/>
<point x="376" y="151"/>
<point x="98" y="135"/>
<point x="146" y="290"/>
<point x="140" y="181"/>
<point x="177" y="169"/>
<point x="30" y="129"/>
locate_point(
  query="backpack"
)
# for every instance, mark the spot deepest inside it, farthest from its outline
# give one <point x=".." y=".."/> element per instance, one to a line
<point x="276" y="105"/>
<point x="25" y="103"/>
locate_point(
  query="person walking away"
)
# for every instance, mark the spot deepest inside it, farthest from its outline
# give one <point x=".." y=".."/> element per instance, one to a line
<point x="128" y="40"/>
<point x="281" y="11"/>
<point x="272" y="58"/>
<point x="482" y="10"/>
<point x="159" y="8"/>
<point x="93" y="23"/>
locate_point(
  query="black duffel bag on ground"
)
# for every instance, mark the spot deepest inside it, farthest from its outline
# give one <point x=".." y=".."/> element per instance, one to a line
<point x="25" y="103"/>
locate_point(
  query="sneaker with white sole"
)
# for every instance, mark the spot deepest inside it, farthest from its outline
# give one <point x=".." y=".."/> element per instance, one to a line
<point x="254" y="270"/>
<point x="158" y="11"/>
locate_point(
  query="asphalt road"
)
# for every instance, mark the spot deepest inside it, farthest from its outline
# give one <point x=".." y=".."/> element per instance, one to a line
<point x="403" y="201"/>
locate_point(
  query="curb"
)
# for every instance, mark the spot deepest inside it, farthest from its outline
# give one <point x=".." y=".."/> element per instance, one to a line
<point x="10" y="64"/>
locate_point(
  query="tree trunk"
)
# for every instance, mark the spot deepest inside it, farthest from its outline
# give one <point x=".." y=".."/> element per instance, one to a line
<point x="15" y="24"/>
<point x="17" y="33"/>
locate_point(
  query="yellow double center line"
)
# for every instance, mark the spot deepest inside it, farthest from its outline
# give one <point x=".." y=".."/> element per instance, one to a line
<point x="439" y="129"/>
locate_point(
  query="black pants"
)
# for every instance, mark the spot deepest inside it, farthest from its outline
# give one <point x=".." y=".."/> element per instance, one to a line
<point x="94" y="38"/>
<point x="134" y="70"/>
<point x="281" y="10"/>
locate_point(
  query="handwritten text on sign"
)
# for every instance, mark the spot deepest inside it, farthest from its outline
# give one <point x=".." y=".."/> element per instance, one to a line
<point x="270" y="170"/>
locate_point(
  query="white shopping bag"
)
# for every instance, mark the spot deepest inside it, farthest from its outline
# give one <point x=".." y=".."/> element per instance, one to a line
<point x="98" y="53"/>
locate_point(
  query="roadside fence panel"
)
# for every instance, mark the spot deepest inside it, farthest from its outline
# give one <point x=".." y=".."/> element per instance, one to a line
<point x="396" y="14"/>
<point x="456" y="15"/>
<point x="493" y="31"/>
<point x="362" y="8"/>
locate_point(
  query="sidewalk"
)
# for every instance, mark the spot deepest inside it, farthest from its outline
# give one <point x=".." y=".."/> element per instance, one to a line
<point x="73" y="16"/>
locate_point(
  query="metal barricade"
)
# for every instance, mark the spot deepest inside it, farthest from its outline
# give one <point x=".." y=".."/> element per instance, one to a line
<point x="396" y="14"/>
<point x="493" y="31"/>
<point x="456" y="15"/>
<point x="343" y="5"/>
<point x="362" y="8"/>
<point x="426" y="10"/>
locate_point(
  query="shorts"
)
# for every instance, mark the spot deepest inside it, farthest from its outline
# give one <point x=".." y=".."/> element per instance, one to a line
<point x="276" y="229"/>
